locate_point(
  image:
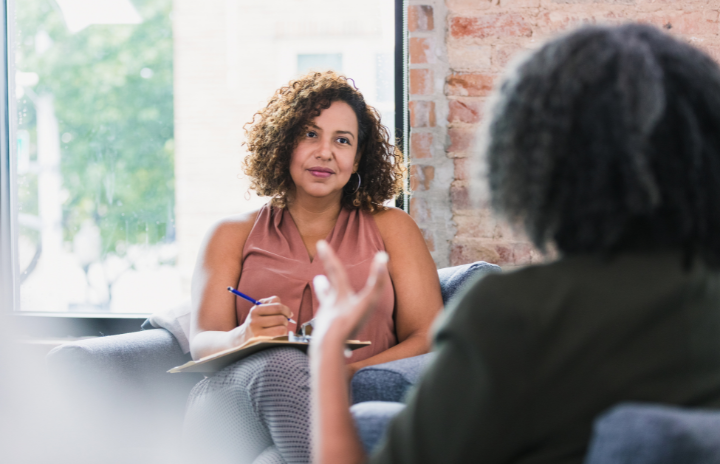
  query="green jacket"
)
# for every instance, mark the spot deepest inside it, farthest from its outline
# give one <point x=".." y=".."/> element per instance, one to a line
<point x="527" y="360"/>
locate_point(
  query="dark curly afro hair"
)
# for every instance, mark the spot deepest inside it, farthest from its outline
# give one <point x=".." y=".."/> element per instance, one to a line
<point x="276" y="130"/>
<point x="608" y="139"/>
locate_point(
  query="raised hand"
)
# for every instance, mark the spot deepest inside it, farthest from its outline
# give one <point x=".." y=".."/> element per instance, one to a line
<point x="342" y="311"/>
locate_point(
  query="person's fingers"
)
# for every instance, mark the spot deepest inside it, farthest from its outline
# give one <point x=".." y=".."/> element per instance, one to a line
<point x="321" y="285"/>
<point x="370" y="294"/>
<point x="271" y="299"/>
<point x="276" y="331"/>
<point x="378" y="277"/>
<point x="334" y="269"/>
<point x="377" y="281"/>
<point x="272" y="321"/>
<point x="271" y="309"/>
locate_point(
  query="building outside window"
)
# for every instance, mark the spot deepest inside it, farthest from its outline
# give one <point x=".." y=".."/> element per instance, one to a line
<point x="319" y="62"/>
<point x="128" y="126"/>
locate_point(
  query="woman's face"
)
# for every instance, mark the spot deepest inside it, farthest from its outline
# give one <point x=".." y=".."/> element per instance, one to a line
<point x="324" y="160"/>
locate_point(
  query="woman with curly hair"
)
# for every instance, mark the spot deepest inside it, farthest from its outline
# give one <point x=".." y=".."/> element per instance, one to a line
<point x="603" y="144"/>
<point x="322" y="156"/>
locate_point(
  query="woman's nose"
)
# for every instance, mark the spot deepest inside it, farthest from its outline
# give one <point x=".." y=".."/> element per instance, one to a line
<point x="324" y="151"/>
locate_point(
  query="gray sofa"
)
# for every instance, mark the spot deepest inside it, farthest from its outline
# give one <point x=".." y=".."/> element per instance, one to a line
<point x="629" y="433"/>
<point x="119" y="386"/>
<point x="640" y="433"/>
<point x="121" y="382"/>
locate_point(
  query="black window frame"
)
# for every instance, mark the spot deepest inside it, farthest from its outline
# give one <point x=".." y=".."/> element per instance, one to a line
<point x="73" y="325"/>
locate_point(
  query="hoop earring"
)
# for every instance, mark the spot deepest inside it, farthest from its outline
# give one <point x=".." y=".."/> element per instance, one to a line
<point x="359" y="182"/>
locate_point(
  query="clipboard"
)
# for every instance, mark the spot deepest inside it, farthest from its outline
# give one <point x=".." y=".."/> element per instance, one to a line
<point x="217" y="361"/>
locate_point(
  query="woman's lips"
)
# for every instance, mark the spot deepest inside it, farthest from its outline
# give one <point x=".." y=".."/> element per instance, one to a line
<point x="321" y="172"/>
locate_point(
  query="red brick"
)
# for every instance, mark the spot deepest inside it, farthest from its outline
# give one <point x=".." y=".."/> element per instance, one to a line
<point x="429" y="238"/>
<point x="525" y="253"/>
<point x="522" y="3"/>
<point x="419" y="210"/>
<point x="466" y="111"/>
<point x="460" y="197"/>
<point x="471" y="251"/>
<point x="462" y="168"/>
<point x="474" y="58"/>
<point x="469" y="84"/>
<point x="497" y="25"/>
<point x="497" y="249"/>
<point x="428" y="176"/>
<point x="611" y="2"/>
<point x="685" y="23"/>
<point x="468" y="6"/>
<point x="422" y="113"/>
<point x="425" y="177"/>
<point x="421" y="177"/>
<point x="555" y="21"/>
<point x="481" y="224"/>
<point x="421" y="82"/>
<point x="413" y="178"/>
<point x="499" y="252"/>
<point x="469" y="227"/>
<point x="420" y="145"/>
<point x="421" y="50"/>
<point x="685" y="3"/>
<point x="503" y="54"/>
<point x="420" y="18"/>
<point x="462" y="140"/>
<point x="505" y="252"/>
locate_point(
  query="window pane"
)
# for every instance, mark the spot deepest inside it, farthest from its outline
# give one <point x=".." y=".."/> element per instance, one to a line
<point x="129" y="130"/>
<point x="319" y="62"/>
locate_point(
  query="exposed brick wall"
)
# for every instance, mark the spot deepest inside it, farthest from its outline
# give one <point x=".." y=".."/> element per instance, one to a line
<point x="431" y="171"/>
<point x="458" y="48"/>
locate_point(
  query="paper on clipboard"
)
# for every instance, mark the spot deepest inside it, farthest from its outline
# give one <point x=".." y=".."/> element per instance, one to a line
<point x="217" y="361"/>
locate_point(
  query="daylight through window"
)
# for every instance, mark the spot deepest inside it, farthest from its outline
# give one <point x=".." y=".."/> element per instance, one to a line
<point x="129" y="130"/>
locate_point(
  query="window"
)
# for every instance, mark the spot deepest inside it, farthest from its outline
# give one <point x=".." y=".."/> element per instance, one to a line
<point x="95" y="155"/>
<point x="126" y="120"/>
<point x="319" y="62"/>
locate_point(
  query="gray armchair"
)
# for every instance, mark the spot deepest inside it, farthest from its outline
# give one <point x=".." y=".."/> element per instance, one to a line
<point x="642" y="433"/>
<point x="122" y="381"/>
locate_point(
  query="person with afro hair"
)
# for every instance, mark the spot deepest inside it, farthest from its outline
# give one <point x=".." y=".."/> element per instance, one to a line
<point x="603" y="145"/>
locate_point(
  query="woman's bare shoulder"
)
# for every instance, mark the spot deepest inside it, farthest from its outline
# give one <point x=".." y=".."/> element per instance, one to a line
<point x="394" y="220"/>
<point x="399" y="231"/>
<point x="227" y="233"/>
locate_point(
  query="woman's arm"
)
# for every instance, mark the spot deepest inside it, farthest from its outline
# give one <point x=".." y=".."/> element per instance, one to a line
<point x="417" y="287"/>
<point x="214" y="325"/>
<point x="341" y="313"/>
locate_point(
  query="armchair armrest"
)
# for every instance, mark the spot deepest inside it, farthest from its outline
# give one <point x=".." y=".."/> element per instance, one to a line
<point x="121" y="381"/>
<point x="455" y="279"/>
<point x="645" y="433"/>
<point x="372" y="419"/>
<point x="389" y="381"/>
<point x="137" y="354"/>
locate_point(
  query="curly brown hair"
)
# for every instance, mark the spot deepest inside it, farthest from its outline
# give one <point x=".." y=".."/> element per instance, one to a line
<point x="273" y="136"/>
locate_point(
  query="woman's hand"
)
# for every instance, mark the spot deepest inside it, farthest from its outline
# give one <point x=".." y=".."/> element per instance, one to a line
<point x="270" y="319"/>
<point x="342" y="311"/>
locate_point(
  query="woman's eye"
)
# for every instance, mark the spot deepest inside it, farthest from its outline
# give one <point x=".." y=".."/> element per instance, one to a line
<point x="344" y="141"/>
<point x="311" y="134"/>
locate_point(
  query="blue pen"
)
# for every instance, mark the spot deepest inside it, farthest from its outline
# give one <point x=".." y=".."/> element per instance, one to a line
<point x="250" y="299"/>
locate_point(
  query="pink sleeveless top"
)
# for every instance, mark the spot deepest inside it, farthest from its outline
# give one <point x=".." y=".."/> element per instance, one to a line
<point x="276" y="263"/>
